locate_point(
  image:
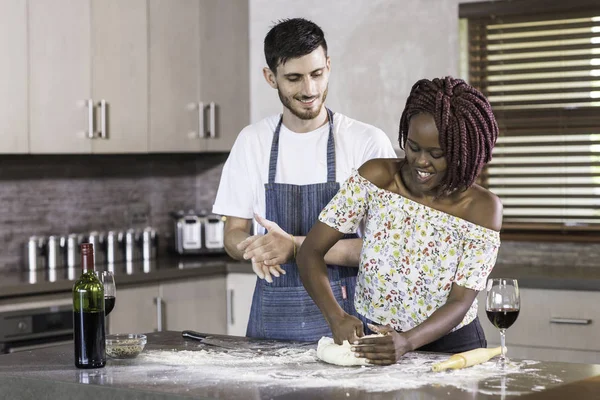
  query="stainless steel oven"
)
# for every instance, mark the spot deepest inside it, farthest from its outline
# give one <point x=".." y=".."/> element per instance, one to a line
<point x="28" y="326"/>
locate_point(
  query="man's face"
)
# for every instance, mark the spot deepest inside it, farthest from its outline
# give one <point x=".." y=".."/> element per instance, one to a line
<point x="302" y="84"/>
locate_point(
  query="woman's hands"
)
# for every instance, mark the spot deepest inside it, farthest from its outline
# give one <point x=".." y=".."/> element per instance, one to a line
<point x="382" y="350"/>
<point x="346" y="327"/>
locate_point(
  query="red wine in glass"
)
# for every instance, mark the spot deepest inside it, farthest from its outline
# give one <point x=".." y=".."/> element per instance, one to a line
<point x="109" y="304"/>
<point x="502" y="318"/>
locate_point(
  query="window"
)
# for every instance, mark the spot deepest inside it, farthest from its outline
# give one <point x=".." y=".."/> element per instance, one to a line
<point x="539" y="65"/>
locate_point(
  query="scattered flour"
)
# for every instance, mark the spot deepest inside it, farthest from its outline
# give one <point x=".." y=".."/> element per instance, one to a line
<point x="299" y="368"/>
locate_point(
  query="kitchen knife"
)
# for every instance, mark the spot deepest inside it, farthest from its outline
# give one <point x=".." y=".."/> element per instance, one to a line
<point x="208" y="340"/>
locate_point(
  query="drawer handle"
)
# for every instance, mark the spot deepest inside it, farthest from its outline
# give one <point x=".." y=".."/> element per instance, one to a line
<point x="570" y="321"/>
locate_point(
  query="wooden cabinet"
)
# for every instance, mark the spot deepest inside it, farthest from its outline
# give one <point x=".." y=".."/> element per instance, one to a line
<point x="135" y="310"/>
<point x="553" y="325"/>
<point x="198" y="304"/>
<point x="13" y="70"/>
<point x="88" y="76"/>
<point x="240" y="289"/>
<point x="199" y="83"/>
<point x="107" y="76"/>
<point x="59" y="76"/>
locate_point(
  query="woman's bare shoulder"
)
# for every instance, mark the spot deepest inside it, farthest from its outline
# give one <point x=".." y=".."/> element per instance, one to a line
<point x="380" y="171"/>
<point x="485" y="208"/>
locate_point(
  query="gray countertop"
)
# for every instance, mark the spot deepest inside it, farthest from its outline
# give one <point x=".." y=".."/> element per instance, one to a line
<point x="24" y="283"/>
<point x="172" y="368"/>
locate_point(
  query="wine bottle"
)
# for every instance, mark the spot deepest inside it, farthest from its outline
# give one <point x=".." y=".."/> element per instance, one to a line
<point x="467" y="359"/>
<point x="88" y="314"/>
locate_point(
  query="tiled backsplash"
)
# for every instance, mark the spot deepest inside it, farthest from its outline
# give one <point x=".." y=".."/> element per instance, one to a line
<point x="58" y="194"/>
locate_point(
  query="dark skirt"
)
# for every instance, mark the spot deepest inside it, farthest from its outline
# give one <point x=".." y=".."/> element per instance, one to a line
<point x="467" y="338"/>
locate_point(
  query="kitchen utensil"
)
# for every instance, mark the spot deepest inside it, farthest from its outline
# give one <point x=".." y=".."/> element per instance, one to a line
<point x="98" y="240"/>
<point x="132" y="250"/>
<point x="467" y="359"/>
<point x="114" y="247"/>
<point x="34" y="257"/>
<point x="209" y="340"/>
<point x="72" y="249"/>
<point x="55" y="246"/>
<point x="149" y="243"/>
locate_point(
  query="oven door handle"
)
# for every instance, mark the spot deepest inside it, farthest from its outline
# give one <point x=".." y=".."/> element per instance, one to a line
<point x="15" y="349"/>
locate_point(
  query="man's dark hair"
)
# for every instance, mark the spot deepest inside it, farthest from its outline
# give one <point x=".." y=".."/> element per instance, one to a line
<point x="465" y="122"/>
<point x="292" y="38"/>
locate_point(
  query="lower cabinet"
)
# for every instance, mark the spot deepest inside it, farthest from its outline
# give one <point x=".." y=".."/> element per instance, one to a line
<point x="240" y="288"/>
<point x="553" y="325"/>
<point x="198" y="304"/>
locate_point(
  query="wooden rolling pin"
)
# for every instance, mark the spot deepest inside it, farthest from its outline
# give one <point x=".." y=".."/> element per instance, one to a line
<point x="467" y="359"/>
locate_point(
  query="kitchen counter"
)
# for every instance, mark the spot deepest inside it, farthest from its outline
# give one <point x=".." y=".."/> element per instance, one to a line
<point x="173" y="368"/>
<point x="24" y="283"/>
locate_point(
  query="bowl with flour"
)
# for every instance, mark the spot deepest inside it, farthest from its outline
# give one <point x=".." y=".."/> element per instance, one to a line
<point x="125" y="345"/>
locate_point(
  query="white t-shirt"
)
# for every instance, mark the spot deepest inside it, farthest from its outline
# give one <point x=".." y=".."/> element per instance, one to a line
<point x="302" y="160"/>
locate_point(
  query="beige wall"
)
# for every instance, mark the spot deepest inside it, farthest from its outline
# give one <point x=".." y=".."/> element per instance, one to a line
<point x="378" y="49"/>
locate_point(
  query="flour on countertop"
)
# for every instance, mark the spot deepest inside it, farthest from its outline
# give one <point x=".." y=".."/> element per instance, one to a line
<point x="300" y="368"/>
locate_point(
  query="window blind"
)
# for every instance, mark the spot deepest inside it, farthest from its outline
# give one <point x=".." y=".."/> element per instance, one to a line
<point x="541" y="74"/>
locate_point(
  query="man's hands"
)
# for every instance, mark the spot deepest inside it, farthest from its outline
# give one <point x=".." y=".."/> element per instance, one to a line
<point x="382" y="350"/>
<point x="268" y="251"/>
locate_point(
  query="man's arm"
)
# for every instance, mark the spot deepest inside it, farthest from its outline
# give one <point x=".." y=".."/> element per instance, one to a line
<point x="276" y="247"/>
<point x="236" y="231"/>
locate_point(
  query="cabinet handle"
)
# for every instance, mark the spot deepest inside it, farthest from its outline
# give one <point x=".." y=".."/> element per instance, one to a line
<point x="201" y="128"/>
<point x="230" y="307"/>
<point x="570" y="321"/>
<point x="212" y="132"/>
<point x="103" y="126"/>
<point x="159" y="313"/>
<point x="90" y="104"/>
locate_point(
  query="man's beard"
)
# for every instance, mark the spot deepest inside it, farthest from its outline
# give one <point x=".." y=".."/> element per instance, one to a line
<point x="302" y="114"/>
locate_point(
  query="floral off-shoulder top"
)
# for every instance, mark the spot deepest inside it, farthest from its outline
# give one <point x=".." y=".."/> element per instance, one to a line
<point x="411" y="253"/>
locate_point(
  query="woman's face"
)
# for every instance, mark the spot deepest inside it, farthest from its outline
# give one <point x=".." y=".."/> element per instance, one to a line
<point x="425" y="158"/>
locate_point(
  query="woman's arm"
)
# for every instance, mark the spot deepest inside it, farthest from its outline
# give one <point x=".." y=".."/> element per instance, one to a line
<point x="313" y="273"/>
<point x="388" y="349"/>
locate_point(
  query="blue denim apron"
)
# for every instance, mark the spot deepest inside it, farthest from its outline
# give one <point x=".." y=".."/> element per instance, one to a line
<point x="283" y="309"/>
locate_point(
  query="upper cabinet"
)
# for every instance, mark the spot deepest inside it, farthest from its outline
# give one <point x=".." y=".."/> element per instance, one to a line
<point x="13" y="69"/>
<point x="199" y="67"/>
<point x="108" y="76"/>
<point x="88" y="69"/>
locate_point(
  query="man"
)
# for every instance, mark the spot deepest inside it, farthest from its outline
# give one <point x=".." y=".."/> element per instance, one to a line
<point x="283" y="170"/>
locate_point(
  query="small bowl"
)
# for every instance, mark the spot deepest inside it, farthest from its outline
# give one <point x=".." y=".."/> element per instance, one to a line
<point x="125" y="345"/>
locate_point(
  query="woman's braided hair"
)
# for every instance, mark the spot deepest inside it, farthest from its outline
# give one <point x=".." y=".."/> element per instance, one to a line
<point x="465" y="122"/>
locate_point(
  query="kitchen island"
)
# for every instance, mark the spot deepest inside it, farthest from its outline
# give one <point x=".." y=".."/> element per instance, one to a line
<point x="171" y="367"/>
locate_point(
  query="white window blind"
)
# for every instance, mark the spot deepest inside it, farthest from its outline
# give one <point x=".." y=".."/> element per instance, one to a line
<point x="541" y="73"/>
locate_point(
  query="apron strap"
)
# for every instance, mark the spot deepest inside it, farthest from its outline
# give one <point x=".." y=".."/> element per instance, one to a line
<point x="330" y="150"/>
<point x="274" y="151"/>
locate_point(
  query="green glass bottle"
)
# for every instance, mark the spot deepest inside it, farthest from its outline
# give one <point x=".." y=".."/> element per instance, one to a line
<point x="88" y="314"/>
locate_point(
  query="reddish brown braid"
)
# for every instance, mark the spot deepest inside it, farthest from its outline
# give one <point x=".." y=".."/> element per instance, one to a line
<point x="465" y="122"/>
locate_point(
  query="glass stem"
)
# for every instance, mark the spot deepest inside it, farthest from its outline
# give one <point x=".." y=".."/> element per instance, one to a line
<point x="503" y="344"/>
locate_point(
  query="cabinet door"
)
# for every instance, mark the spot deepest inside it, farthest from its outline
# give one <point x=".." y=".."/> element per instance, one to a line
<point x="13" y="70"/>
<point x="224" y="64"/>
<point x="240" y="289"/>
<point x="174" y="75"/>
<point x="59" y="76"/>
<point x="198" y="305"/>
<point x="135" y="310"/>
<point x="120" y="75"/>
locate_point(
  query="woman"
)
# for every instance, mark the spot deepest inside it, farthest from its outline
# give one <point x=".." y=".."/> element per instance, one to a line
<point x="431" y="235"/>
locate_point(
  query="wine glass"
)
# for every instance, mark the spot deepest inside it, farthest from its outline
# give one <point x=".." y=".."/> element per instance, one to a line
<point x="502" y="308"/>
<point x="110" y="291"/>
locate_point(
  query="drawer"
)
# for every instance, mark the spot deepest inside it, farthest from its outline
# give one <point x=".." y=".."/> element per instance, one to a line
<point x="560" y="319"/>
